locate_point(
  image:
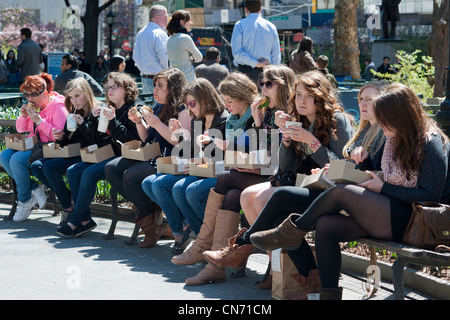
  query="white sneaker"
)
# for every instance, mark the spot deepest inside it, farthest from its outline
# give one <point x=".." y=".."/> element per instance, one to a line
<point x="24" y="209"/>
<point x="40" y="196"/>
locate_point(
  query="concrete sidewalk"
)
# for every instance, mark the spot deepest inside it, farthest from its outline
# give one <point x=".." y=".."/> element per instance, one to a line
<point x="36" y="263"/>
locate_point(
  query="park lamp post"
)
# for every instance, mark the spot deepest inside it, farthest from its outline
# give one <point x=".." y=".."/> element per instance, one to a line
<point x="110" y="19"/>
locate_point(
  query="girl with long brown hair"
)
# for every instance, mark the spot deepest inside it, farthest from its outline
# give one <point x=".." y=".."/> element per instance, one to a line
<point x="415" y="168"/>
<point x="126" y="175"/>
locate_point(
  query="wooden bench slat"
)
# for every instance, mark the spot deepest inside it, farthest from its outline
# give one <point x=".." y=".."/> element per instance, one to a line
<point x="407" y="251"/>
<point x="407" y="254"/>
<point x="8" y="122"/>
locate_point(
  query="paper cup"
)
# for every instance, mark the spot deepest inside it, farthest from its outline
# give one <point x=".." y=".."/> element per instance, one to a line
<point x="103" y="122"/>
<point x="288" y="124"/>
<point x="72" y="125"/>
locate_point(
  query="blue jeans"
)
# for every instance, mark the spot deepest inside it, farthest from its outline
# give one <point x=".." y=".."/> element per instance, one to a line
<point x="159" y="188"/>
<point x="17" y="166"/>
<point x="83" y="178"/>
<point x="191" y="195"/>
<point x="147" y="85"/>
<point x="50" y="172"/>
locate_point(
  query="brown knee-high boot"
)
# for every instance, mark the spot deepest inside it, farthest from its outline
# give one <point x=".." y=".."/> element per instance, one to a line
<point x="204" y="239"/>
<point x="227" y="223"/>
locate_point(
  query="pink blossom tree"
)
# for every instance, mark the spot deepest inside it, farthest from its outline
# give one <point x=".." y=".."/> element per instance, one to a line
<point x="53" y="36"/>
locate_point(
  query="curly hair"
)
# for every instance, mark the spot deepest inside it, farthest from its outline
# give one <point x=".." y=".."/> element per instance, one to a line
<point x="326" y="105"/>
<point x="125" y="81"/>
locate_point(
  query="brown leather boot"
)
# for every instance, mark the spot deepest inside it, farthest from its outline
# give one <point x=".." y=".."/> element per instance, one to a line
<point x="286" y="235"/>
<point x="209" y="274"/>
<point x="310" y="284"/>
<point x="204" y="240"/>
<point x="232" y="255"/>
<point x="228" y="222"/>
<point x="151" y="230"/>
<point x="330" y="293"/>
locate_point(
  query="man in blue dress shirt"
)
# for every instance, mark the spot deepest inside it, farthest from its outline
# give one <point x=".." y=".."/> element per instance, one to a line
<point x="255" y="42"/>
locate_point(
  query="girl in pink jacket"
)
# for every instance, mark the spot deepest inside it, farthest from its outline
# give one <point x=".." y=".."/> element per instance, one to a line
<point x="44" y="112"/>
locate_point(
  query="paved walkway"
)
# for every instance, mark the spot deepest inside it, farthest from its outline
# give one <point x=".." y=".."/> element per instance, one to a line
<point x="36" y="263"/>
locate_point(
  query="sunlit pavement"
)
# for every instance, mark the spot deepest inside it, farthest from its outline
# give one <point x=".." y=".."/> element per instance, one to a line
<point x="37" y="263"/>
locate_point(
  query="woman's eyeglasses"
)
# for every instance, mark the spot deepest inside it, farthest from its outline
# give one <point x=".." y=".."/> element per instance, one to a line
<point x="33" y="94"/>
<point x="268" y="84"/>
<point x="191" y="104"/>
<point x="113" y="87"/>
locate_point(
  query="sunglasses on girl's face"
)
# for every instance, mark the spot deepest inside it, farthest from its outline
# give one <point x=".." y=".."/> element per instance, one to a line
<point x="33" y="94"/>
<point x="191" y="104"/>
<point x="268" y="84"/>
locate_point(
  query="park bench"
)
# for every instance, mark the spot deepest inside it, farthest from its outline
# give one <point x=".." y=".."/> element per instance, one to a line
<point x="406" y="255"/>
<point x="113" y="211"/>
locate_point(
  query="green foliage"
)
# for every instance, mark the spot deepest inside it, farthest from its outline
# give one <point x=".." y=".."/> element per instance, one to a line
<point x="8" y="112"/>
<point x="416" y="73"/>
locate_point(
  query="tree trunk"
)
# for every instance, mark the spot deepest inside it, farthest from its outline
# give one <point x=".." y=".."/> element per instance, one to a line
<point x="90" y="23"/>
<point x="346" y="50"/>
<point x="438" y="45"/>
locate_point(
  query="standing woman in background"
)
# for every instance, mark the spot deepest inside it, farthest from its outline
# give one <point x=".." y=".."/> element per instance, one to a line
<point x="11" y="66"/>
<point x="301" y="58"/>
<point x="181" y="49"/>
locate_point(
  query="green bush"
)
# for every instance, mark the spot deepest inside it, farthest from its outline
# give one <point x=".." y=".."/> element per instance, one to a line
<point x="416" y="73"/>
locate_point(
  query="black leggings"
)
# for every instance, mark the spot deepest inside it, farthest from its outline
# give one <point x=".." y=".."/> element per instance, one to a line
<point x="232" y="183"/>
<point x="126" y="176"/>
<point x="283" y="202"/>
<point x="369" y="215"/>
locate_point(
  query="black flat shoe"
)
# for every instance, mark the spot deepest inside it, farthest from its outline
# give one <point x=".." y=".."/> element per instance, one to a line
<point x="91" y="225"/>
<point x="65" y="231"/>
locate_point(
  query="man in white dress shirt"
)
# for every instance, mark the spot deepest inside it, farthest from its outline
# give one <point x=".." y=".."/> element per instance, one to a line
<point x="150" y="48"/>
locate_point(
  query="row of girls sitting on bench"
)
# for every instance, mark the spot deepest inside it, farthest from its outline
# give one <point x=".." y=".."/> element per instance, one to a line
<point x="394" y="135"/>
